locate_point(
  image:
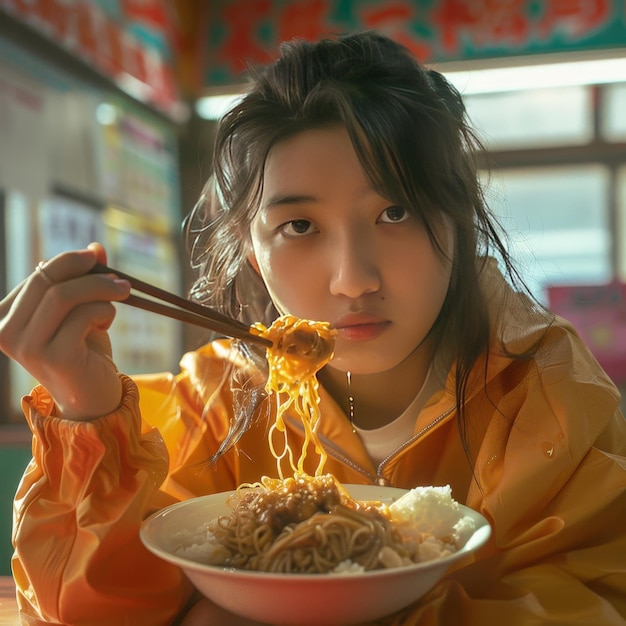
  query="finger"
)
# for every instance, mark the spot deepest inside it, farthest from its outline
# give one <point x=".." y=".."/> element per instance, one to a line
<point x="63" y="363"/>
<point x="37" y="317"/>
<point x="7" y="302"/>
<point x="58" y="305"/>
<point x="45" y="276"/>
<point x="81" y="375"/>
<point x="7" y="335"/>
<point x="77" y="335"/>
<point x="55" y="270"/>
<point x="98" y="248"/>
<point x="68" y="265"/>
<point x="13" y="316"/>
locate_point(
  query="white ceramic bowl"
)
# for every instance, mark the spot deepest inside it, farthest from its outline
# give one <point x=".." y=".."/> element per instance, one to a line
<point x="301" y="599"/>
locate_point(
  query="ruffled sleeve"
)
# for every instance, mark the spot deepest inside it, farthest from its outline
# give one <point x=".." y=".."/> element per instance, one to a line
<point x="77" y="515"/>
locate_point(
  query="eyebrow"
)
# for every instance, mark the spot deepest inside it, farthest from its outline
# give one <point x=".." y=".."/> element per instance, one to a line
<point x="286" y="199"/>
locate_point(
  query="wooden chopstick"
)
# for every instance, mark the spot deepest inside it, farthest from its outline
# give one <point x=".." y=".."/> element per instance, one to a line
<point x="183" y="310"/>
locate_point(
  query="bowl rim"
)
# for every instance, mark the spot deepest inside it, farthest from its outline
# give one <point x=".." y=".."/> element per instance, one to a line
<point x="477" y="539"/>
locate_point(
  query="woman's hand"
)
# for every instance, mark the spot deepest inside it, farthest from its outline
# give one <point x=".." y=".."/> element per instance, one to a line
<point x="55" y="325"/>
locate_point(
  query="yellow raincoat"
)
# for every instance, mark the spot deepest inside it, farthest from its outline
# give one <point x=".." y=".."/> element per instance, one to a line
<point x="547" y="445"/>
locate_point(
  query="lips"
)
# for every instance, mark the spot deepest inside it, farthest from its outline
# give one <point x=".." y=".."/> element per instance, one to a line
<point x="361" y="326"/>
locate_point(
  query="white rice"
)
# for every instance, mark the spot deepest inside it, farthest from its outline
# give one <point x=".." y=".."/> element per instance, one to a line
<point x="436" y="523"/>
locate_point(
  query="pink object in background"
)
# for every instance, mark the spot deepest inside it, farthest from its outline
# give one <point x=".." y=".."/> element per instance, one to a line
<point x="598" y="312"/>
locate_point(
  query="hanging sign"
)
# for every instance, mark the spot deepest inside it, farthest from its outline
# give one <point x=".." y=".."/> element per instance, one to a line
<point x="242" y="32"/>
<point x="84" y="29"/>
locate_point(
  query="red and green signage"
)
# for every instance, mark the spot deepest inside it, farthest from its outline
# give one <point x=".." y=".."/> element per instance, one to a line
<point x="244" y="32"/>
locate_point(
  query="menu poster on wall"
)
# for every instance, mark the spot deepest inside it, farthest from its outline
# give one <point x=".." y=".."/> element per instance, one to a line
<point x="138" y="164"/>
<point x="23" y="132"/>
<point x="143" y="341"/>
<point x="67" y="224"/>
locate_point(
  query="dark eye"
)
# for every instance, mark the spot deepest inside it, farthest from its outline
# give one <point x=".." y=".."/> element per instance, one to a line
<point x="394" y="214"/>
<point x="296" y="228"/>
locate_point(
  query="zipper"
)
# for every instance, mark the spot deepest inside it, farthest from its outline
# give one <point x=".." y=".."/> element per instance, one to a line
<point x="377" y="479"/>
<point x="408" y="442"/>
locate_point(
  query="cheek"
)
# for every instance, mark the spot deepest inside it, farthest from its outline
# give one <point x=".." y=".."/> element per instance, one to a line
<point x="289" y="281"/>
<point x="437" y="263"/>
<point x="429" y="273"/>
<point x="438" y="280"/>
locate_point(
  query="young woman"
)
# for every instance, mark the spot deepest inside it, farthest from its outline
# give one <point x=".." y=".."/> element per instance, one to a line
<point x="345" y="190"/>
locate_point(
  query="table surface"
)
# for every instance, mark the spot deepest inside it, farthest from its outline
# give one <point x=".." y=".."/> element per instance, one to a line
<point x="8" y="605"/>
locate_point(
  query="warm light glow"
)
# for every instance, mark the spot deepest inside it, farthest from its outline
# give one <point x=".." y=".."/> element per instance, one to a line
<point x="213" y="107"/>
<point x="486" y="80"/>
<point x="549" y="75"/>
<point x="106" y="114"/>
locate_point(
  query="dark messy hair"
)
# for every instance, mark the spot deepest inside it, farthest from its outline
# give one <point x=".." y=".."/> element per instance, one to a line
<point x="410" y="130"/>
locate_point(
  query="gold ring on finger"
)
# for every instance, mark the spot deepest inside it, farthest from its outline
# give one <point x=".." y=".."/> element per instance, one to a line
<point x="42" y="273"/>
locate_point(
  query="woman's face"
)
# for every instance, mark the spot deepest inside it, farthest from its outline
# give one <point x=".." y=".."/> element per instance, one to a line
<point x="330" y="248"/>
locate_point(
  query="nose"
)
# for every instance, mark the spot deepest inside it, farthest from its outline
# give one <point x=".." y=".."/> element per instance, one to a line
<point x="354" y="269"/>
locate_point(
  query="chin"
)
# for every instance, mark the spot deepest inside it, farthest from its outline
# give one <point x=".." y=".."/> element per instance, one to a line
<point x="362" y="365"/>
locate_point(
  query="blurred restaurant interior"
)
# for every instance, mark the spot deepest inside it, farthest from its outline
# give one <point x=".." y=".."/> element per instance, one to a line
<point x="108" y="109"/>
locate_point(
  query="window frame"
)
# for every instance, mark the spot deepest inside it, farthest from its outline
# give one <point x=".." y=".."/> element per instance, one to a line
<point x="599" y="151"/>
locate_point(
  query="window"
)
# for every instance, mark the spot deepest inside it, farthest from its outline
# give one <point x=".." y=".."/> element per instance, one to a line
<point x="557" y="222"/>
<point x="533" y="118"/>
<point x="613" y="118"/>
<point x="620" y="231"/>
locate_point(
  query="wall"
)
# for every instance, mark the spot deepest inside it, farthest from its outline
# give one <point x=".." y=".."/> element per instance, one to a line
<point x="13" y="461"/>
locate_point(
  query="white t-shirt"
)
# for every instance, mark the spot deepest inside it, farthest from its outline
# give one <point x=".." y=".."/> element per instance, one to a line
<point x="381" y="442"/>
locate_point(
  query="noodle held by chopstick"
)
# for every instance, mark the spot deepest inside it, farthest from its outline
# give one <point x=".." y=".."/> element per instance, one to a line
<point x="300" y="348"/>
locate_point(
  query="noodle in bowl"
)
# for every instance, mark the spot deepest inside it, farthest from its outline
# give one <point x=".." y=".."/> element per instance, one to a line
<point x="350" y="593"/>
